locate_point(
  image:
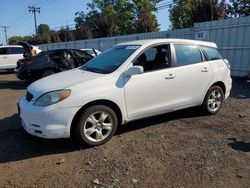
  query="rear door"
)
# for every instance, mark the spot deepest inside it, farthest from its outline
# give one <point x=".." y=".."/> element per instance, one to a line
<point x="9" y="57"/>
<point x="14" y="54"/>
<point x="192" y="75"/>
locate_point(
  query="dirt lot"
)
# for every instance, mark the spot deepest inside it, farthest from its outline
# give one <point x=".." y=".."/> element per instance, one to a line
<point x="180" y="149"/>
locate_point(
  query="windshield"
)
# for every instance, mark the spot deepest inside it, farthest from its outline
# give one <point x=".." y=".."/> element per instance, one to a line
<point x="110" y="60"/>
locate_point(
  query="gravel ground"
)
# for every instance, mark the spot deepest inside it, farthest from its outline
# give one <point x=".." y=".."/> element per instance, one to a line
<point x="180" y="149"/>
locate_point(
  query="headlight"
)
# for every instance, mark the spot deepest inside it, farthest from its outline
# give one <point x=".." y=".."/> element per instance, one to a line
<point x="52" y="97"/>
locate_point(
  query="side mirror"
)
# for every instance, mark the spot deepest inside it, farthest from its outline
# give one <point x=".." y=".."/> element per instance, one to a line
<point x="134" y="70"/>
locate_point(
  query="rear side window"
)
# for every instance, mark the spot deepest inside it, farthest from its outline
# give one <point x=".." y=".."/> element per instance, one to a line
<point x="3" y="51"/>
<point x="15" y="50"/>
<point x="212" y="53"/>
<point x="187" y="54"/>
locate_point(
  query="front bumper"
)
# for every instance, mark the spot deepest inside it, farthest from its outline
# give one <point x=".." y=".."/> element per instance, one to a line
<point x="46" y="122"/>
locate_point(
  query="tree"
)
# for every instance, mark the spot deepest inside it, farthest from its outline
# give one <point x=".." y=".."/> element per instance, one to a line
<point x="125" y="17"/>
<point x="14" y="40"/>
<point x="187" y="12"/>
<point x="54" y="37"/>
<point x="145" y="20"/>
<point x="118" y="17"/>
<point x="238" y="8"/>
<point x="43" y="29"/>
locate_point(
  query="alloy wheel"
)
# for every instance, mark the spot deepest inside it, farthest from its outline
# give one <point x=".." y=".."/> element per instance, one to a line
<point x="98" y="126"/>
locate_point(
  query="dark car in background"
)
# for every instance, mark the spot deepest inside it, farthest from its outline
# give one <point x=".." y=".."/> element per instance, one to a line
<point x="50" y="62"/>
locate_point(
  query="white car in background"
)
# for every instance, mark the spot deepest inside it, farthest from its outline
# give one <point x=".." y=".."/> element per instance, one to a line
<point x="130" y="81"/>
<point x="92" y="51"/>
<point x="10" y="54"/>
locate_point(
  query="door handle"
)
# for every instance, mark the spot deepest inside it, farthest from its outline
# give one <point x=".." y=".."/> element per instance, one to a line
<point x="170" y="76"/>
<point x="205" y="69"/>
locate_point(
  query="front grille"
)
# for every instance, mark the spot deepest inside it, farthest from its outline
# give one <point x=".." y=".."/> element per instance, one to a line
<point x="29" y="96"/>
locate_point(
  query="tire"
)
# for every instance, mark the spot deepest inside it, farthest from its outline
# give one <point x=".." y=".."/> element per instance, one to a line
<point x="48" y="72"/>
<point x="96" y="125"/>
<point x="213" y="100"/>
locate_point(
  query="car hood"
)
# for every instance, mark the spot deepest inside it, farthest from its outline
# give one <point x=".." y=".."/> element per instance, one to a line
<point x="61" y="81"/>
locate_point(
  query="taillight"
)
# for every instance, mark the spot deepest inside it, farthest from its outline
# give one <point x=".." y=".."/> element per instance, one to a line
<point x="24" y="63"/>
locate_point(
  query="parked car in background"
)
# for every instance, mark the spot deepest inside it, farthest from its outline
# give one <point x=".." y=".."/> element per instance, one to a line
<point x="130" y="81"/>
<point x="92" y="51"/>
<point x="10" y="54"/>
<point x="50" y="62"/>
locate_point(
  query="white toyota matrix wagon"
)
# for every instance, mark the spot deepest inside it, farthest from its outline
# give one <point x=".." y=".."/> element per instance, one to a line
<point x="130" y="81"/>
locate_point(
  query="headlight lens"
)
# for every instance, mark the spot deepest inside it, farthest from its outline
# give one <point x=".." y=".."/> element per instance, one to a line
<point x="52" y="97"/>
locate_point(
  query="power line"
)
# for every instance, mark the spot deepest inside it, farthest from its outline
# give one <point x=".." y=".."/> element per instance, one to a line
<point x="34" y="10"/>
<point x="17" y="19"/>
<point x="165" y="5"/>
<point x="48" y="3"/>
<point x="5" y="31"/>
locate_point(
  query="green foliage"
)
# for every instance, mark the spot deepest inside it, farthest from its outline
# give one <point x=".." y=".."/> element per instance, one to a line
<point x="238" y="8"/>
<point x="43" y="29"/>
<point x="145" y="20"/>
<point x="187" y="12"/>
<point x="118" y="17"/>
<point x="13" y="40"/>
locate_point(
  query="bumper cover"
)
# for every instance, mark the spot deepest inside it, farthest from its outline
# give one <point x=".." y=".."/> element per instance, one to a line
<point x="46" y="122"/>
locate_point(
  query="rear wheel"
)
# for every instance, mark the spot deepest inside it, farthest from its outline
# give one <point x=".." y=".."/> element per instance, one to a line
<point x="48" y="72"/>
<point x="96" y="125"/>
<point x="213" y="100"/>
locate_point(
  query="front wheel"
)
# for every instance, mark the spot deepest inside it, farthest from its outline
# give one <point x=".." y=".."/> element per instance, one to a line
<point x="213" y="100"/>
<point x="96" y="125"/>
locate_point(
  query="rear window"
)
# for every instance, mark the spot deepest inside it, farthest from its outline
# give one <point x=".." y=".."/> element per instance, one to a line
<point x="212" y="53"/>
<point x="187" y="54"/>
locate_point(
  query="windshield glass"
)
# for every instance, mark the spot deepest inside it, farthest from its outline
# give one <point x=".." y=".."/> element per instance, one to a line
<point x="110" y="60"/>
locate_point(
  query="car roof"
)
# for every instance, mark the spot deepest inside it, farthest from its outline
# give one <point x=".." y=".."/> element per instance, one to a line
<point x="148" y="42"/>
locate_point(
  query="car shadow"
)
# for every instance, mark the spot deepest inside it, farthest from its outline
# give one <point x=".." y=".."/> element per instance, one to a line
<point x="151" y="121"/>
<point x="14" y="85"/>
<point x="239" y="145"/>
<point x="16" y="144"/>
<point x="3" y="72"/>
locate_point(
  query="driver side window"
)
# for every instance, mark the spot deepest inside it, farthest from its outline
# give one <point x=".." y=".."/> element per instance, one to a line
<point x="154" y="58"/>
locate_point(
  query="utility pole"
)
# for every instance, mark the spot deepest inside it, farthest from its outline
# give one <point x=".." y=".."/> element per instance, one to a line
<point x="5" y="31"/>
<point x="34" y="10"/>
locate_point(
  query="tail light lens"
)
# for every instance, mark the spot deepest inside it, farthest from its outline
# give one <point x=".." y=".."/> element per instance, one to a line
<point x="24" y="63"/>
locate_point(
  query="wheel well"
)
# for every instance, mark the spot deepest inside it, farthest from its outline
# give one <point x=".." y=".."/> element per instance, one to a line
<point x="108" y="103"/>
<point x="221" y="85"/>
